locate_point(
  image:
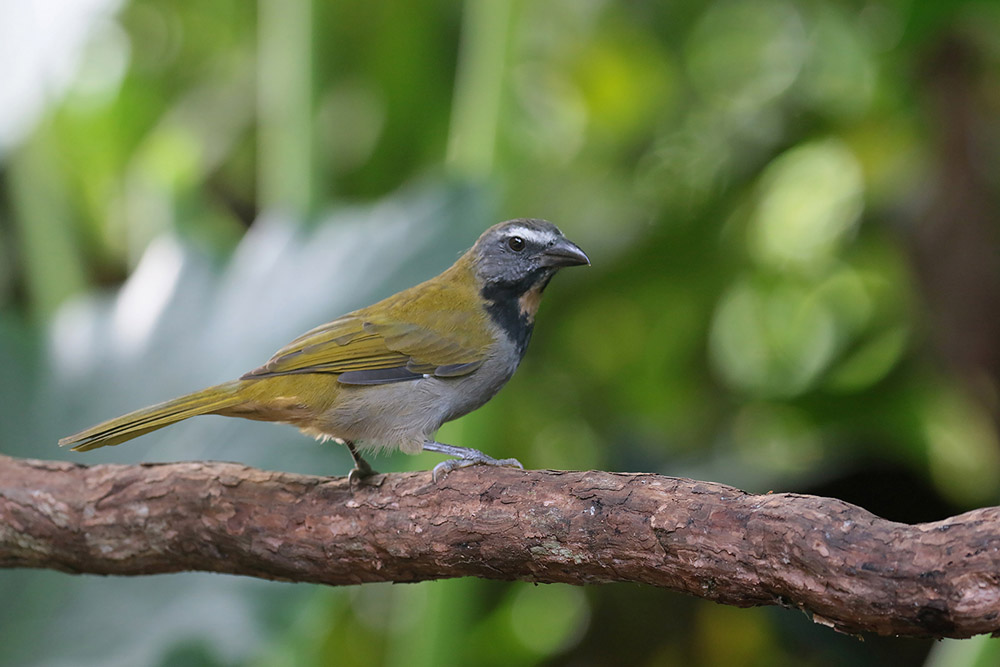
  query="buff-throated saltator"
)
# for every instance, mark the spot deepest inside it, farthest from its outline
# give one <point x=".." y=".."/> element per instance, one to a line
<point x="389" y="375"/>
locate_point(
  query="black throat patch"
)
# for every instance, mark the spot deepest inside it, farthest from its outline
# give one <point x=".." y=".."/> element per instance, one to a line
<point x="505" y="302"/>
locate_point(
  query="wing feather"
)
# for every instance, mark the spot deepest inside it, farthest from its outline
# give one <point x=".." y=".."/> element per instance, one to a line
<point x="374" y="350"/>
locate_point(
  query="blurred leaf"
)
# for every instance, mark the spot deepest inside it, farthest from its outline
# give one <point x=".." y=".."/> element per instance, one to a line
<point x="811" y="198"/>
<point x="51" y="263"/>
<point x="962" y="447"/>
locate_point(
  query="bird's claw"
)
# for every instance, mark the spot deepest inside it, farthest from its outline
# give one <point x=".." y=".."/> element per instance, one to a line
<point x="477" y="458"/>
<point x="361" y="475"/>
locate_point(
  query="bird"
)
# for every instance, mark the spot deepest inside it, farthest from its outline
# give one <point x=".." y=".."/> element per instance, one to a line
<point x="387" y="376"/>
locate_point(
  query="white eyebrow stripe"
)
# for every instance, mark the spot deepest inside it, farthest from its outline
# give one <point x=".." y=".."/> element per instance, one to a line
<point x="532" y="235"/>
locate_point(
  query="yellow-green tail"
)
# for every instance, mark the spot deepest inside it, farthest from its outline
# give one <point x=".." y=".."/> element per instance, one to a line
<point x="118" y="430"/>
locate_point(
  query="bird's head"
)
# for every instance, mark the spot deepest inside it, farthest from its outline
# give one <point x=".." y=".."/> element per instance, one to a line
<point x="518" y="255"/>
<point x="513" y="262"/>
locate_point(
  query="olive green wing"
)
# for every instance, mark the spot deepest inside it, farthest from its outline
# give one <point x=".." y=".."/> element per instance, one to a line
<point x="363" y="351"/>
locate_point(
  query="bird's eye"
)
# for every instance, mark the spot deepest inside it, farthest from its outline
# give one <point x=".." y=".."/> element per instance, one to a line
<point x="515" y="243"/>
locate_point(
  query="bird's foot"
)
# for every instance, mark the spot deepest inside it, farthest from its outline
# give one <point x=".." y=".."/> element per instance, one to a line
<point x="466" y="457"/>
<point x="362" y="475"/>
<point x="362" y="472"/>
<point x="445" y="467"/>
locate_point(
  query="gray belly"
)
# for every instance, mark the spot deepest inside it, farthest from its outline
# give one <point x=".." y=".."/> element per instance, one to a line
<point x="406" y="414"/>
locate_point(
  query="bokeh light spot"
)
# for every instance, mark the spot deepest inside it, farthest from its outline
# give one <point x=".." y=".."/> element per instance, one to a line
<point x="810" y="201"/>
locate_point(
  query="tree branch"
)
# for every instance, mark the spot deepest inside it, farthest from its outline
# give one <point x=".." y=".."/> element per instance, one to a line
<point x="846" y="567"/>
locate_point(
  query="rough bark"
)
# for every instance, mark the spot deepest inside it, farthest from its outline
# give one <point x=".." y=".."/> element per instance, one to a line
<point x="846" y="567"/>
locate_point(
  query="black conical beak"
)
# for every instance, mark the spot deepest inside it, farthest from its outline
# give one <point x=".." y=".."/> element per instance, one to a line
<point x="564" y="253"/>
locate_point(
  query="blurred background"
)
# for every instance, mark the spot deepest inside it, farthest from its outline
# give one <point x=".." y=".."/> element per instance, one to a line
<point x="791" y="208"/>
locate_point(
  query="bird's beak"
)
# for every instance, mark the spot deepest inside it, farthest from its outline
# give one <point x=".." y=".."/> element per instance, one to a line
<point x="564" y="253"/>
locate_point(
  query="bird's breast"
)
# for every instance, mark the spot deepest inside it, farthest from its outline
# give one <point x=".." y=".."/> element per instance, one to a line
<point x="465" y="394"/>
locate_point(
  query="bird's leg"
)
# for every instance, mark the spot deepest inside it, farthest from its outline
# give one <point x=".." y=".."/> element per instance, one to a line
<point x="466" y="456"/>
<point x="361" y="470"/>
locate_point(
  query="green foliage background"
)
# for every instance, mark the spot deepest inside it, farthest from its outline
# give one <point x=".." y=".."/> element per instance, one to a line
<point x="790" y="208"/>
